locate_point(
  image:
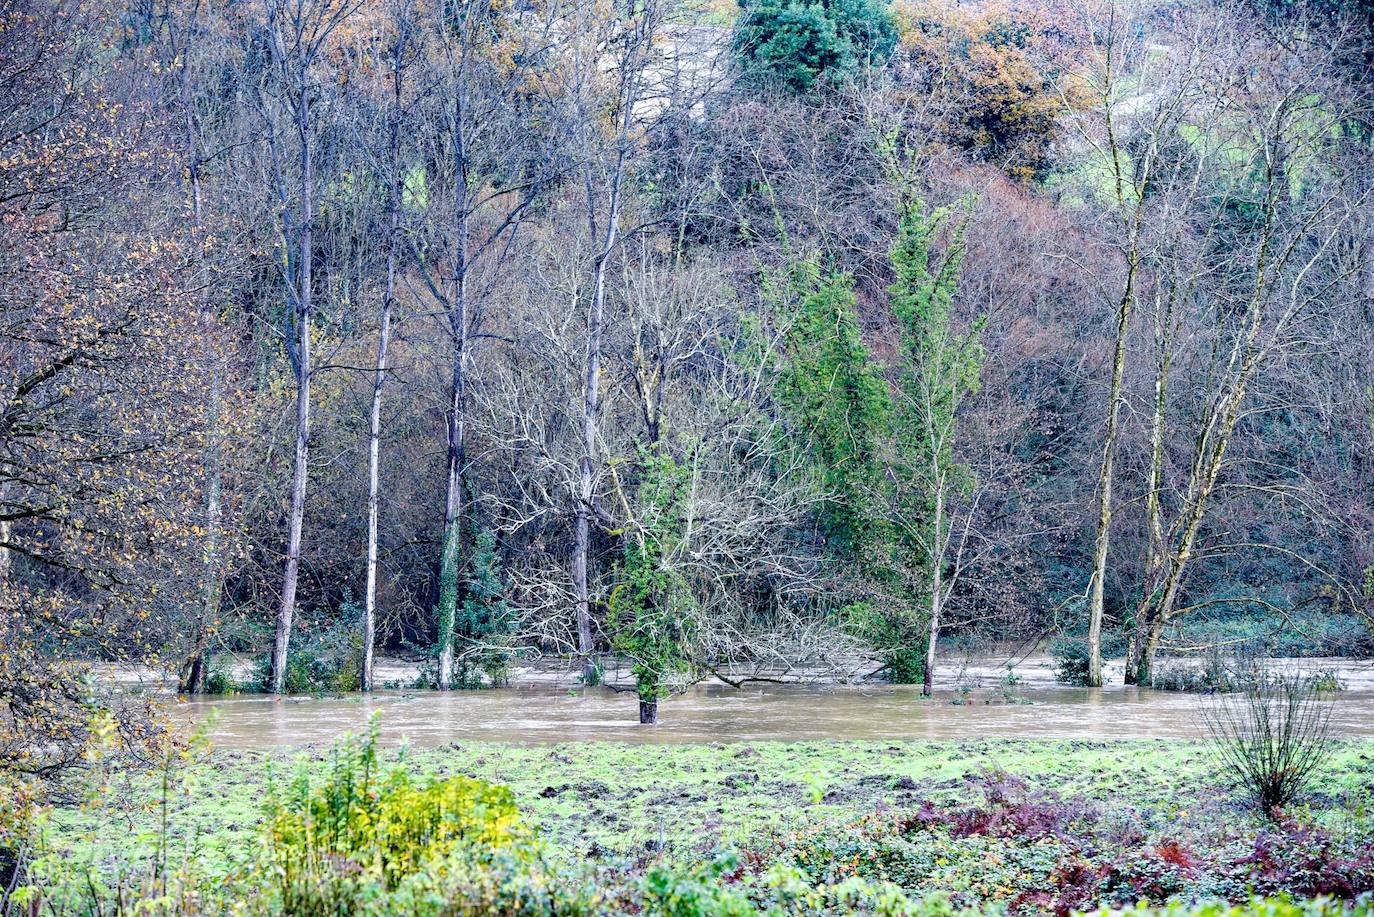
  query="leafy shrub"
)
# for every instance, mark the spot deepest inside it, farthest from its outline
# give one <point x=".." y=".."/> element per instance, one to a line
<point x="335" y="842"/>
<point x="1070" y="655"/>
<point x="220" y="680"/>
<point x="889" y="628"/>
<point x="1302" y="860"/>
<point x="906" y="665"/>
<point x="1326" y="682"/>
<point x="1217" y="673"/>
<point x="18" y="835"/>
<point x="720" y="888"/>
<point x="1006" y="845"/>
<point x="1257" y="907"/>
<point x="694" y="892"/>
<point x="1157" y="874"/>
<point x="484" y="621"/>
<point x="324" y="660"/>
<point x="1205" y="679"/>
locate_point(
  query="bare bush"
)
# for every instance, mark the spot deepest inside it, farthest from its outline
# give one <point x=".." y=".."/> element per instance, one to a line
<point x="1272" y="737"/>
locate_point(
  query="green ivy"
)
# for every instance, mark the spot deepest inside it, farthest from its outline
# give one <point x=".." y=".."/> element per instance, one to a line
<point x="939" y="368"/>
<point x="834" y="394"/>
<point x="483" y="625"/>
<point x="650" y="611"/>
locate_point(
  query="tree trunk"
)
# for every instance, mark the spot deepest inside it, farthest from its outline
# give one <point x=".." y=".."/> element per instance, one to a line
<point x="936" y="590"/>
<point x="590" y="405"/>
<point x="591" y="395"/>
<point x="374" y="431"/>
<point x="1153" y="505"/>
<point x="1097" y="598"/>
<point x="300" y="467"/>
<point x="373" y="476"/>
<point x="374" y="435"/>
<point x="194" y="669"/>
<point x="629" y="69"/>
<point x="458" y="317"/>
<point x="6" y="555"/>
<point x="1154" y="614"/>
<point x="1144" y="646"/>
<point x="648" y="712"/>
<point x="6" y="559"/>
<point x="448" y="595"/>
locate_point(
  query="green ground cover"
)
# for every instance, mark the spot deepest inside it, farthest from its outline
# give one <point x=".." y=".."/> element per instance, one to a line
<point x="1026" y="825"/>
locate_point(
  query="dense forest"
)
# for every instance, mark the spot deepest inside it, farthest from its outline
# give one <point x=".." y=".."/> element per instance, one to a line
<point x="949" y="422"/>
<point x="793" y="339"/>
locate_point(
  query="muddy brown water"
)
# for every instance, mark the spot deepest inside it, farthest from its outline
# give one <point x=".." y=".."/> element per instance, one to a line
<point x="971" y="702"/>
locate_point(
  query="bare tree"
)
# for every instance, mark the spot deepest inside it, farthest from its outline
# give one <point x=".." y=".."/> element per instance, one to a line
<point x="612" y="59"/>
<point x="297" y="33"/>
<point x="400" y="53"/>
<point x="1127" y="129"/>
<point x="1276" y="154"/>
<point x="491" y="165"/>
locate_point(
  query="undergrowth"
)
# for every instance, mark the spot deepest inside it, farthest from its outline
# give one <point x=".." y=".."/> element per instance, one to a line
<point x="355" y="834"/>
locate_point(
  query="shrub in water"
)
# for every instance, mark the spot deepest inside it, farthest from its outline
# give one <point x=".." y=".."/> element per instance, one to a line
<point x="219" y="679"/>
<point x="321" y="661"/>
<point x="1070" y="655"/>
<point x="485" y="620"/>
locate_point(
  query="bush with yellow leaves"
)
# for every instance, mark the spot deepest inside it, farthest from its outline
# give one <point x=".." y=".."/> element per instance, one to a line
<point x="359" y="833"/>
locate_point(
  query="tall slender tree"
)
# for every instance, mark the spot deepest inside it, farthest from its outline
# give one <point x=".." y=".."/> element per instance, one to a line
<point x="491" y="161"/>
<point x="399" y="55"/>
<point x="611" y="141"/>
<point x="187" y="38"/>
<point x="298" y="34"/>
<point x="1130" y="178"/>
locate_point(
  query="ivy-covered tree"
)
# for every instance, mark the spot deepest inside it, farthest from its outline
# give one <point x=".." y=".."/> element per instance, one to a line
<point x="796" y="43"/>
<point x="840" y="407"/>
<point x="940" y="367"/>
<point x="650" y="609"/>
<point x="483" y="621"/>
<point x="834" y="395"/>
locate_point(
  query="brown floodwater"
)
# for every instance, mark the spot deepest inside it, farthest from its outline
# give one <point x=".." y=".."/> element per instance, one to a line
<point x="973" y="701"/>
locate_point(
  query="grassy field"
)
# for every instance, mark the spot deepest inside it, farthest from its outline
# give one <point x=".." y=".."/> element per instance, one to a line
<point x="609" y="801"/>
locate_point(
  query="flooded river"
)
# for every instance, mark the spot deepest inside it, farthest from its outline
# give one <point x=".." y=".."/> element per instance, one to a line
<point x="972" y="702"/>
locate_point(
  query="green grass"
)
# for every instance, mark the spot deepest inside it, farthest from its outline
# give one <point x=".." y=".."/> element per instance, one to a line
<point x="612" y="799"/>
